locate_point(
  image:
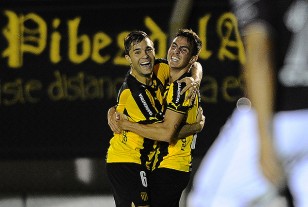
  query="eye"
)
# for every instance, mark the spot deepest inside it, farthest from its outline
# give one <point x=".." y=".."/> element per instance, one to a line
<point x="184" y="50"/>
<point x="173" y="46"/>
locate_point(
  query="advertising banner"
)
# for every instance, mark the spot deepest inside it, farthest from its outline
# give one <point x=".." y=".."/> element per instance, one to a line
<point x="62" y="63"/>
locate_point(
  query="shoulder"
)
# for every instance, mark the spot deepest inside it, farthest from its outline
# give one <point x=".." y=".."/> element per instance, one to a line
<point x="161" y="69"/>
<point x="176" y="88"/>
<point x="161" y="64"/>
<point x="160" y="60"/>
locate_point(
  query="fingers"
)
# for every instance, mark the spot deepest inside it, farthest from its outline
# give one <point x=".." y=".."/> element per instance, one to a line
<point x="187" y="87"/>
<point x="192" y="87"/>
<point x="200" y="114"/>
<point x="192" y="95"/>
<point x="188" y="81"/>
<point x="110" y="112"/>
<point x="117" y="116"/>
<point x="113" y="117"/>
<point x="200" y="120"/>
<point x="114" y="125"/>
<point x="203" y="118"/>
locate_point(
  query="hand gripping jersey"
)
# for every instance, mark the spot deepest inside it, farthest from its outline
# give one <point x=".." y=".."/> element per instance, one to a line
<point x="142" y="104"/>
<point x="178" y="156"/>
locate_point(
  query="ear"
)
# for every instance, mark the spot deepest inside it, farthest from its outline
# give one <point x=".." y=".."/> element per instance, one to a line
<point x="128" y="59"/>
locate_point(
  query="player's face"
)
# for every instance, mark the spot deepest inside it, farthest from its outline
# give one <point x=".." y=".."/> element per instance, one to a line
<point x="141" y="57"/>
<point x="179" y="53"/>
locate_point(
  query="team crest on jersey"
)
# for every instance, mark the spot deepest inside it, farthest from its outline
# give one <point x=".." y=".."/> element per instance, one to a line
<point x="124" y="137"/>
<point x="144" y="196"/>
<point x="184" y="144"/>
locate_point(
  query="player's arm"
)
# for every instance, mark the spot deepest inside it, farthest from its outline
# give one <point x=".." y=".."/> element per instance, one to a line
<point x="111" y="117"/>
<point x="197" y="72"/>
<point x="259" y="73"/>
<point x="193" y="82"/>
<point x="162" y="131"/>
<point x="190" y="129"/>
<point x="170" y="130"/>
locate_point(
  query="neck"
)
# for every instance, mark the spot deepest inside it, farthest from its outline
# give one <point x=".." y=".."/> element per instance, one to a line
<point x="175" y="74"/>
<point x="146" y="80"/>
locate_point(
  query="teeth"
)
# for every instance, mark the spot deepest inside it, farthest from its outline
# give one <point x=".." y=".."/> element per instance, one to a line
<point x="175" y="59"/>
<point x="144" y="63"/>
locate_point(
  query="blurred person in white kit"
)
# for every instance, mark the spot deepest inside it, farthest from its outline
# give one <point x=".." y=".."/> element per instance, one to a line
<point x="263" y="149"/>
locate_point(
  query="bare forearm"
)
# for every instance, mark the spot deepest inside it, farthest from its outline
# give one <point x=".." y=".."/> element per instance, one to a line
<point x="260" y="82"/>
<point x="152" y="131"/>
<point x="159" y="133"/>
<point x="261" y="90"/>
<point x="189" y="129"/>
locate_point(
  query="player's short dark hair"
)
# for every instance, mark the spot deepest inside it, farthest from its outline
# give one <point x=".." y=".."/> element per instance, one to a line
<point x="192" y="38"/>
<point x="133" y="37"/>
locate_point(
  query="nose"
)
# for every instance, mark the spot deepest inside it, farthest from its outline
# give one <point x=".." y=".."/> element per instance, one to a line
<point x="176" y="50"/>
<point x="146" y="54"/>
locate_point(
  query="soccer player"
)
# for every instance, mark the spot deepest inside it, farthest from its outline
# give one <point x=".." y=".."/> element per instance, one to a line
<point x="171" y="167"/>
<point x="141" y="99"/>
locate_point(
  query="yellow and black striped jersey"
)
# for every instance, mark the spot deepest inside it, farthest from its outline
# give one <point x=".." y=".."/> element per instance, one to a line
<point x="142" y="104"/>
<point x="178" y="156"/>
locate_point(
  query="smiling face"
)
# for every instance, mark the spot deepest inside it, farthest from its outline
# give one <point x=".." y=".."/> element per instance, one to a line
<point x="180" y="53"/>
<point x="141" y="56"/>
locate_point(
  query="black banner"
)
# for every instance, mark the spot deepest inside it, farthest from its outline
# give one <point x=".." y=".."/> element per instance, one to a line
<point x="62" y="63"/>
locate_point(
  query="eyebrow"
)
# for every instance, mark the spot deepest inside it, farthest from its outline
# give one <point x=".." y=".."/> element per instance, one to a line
<point x="174" y="43"/>
<point x="147" y="47"/>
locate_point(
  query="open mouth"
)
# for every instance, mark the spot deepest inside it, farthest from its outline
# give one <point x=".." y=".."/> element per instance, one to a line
<point x="174" y="59"/>
<point x="145" y="64"/>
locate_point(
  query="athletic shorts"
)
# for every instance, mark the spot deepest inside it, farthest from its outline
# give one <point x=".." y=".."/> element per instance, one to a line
<point x="167" y="186"/>
<point x="129" y="184"/>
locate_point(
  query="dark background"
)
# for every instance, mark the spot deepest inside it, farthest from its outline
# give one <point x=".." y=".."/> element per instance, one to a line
<point x="75" y="125"/>
<point x="64" y="118"/>
<point x="53" y="105"/>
